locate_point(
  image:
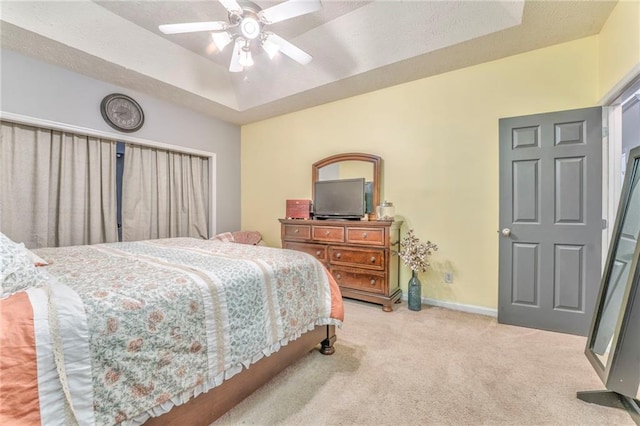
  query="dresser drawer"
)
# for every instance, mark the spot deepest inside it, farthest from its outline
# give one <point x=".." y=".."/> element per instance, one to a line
<point x="361" y="280"/>
<point x="358" y="257"/>
<point x="316" y="250"/>
<point x="358" y="254"/>
<point x="370" y="236"/>
<point x="333" y="234"/>
<point x="298" y="232"/>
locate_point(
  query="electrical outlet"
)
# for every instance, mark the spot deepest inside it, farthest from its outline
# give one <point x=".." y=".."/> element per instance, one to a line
<point x="448" y="277"/>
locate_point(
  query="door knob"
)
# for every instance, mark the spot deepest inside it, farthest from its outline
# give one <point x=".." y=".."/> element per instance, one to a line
<point x="506" y="232"/>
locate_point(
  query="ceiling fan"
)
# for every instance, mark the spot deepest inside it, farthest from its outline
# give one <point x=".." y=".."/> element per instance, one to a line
<point x="246" y="28"/>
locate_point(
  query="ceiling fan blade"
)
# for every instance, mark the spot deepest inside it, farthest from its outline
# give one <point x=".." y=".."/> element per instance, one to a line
<point x="289" y="49"/>
<point x="234" y="65"/>
<point x="192" y="27"/>
<point x="231" y="5"/>
<point x="289" y="9"/>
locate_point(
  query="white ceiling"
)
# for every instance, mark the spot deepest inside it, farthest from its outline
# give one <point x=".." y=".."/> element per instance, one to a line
<point x="357" y="46"/>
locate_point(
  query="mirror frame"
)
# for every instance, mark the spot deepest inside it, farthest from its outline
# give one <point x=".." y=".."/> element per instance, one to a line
<point x="352" y="156"/>
<point x="621" y="373"/>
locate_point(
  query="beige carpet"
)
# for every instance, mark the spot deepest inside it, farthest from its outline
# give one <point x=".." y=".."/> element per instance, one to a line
<point x="433" y="367"/>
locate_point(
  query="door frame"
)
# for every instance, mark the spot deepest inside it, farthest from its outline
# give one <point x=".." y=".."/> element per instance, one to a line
<point x="612" y="104"/>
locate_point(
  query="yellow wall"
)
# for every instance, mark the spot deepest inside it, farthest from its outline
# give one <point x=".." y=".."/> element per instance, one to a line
<point x="619" y="45"/>
<point x="438" y="138"/>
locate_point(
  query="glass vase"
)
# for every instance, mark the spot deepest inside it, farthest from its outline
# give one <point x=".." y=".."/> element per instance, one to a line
<point x="415" y="292"/>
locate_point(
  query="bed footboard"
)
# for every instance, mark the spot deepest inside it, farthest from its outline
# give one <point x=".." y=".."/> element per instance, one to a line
<point x="206" y="408"/>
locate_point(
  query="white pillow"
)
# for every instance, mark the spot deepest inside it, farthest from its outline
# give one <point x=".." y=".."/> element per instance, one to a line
<point x="17" y="269"/>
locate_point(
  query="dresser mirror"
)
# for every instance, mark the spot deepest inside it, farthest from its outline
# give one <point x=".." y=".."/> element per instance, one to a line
<point x="349" y="166"/>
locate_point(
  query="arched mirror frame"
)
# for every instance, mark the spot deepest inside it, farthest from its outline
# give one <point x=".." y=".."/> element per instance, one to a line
<point x="375" y="160"/>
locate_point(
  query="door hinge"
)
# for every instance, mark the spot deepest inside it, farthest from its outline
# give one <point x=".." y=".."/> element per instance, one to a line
<point x="604" y="223"/>
<point x="605" y="132"/>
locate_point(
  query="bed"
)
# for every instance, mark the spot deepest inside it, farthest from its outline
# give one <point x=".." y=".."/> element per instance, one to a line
<point x="170" y="331"/>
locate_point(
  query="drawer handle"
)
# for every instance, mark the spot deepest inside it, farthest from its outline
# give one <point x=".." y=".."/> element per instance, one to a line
<point x="295" y="231"/>
<point x="338" y="255"/>
<point x="318" y="253"/>
<point x="373" y="259"/>
<point x="364" y="235"/>
<point x="327" y="232"/>
<point x="338" y="277"/>
<point x="373" y="281"/>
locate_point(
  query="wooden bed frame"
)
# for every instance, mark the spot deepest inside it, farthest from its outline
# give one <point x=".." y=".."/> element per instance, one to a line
<point x="207" y="407"/>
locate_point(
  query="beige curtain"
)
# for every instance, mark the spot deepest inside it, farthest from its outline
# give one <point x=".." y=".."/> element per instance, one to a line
<point x="164" y="194"/>
<point x="57" y="188"/>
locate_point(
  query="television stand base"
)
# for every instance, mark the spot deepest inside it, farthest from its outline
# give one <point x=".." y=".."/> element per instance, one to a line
<point x="613" y="399"/>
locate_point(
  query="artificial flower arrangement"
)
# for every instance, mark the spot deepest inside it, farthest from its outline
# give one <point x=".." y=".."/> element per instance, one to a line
<point x="414" y="253"/>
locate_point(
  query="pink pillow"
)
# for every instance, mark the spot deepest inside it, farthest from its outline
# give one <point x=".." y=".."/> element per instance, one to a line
<point x="241" y="237"/>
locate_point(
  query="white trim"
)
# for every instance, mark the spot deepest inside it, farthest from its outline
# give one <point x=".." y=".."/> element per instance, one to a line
<point x="607" y="181"/>
<point x="611" y="171"/>
<point x="620" y="86"/>
<point x="65" y="127"/>
<point x="615" y="139"/>
<point x="481" y="310"/>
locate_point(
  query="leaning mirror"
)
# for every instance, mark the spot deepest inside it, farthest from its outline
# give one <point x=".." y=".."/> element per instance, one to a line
<point x="613" y="345"/>
<point x="618" y="274"/>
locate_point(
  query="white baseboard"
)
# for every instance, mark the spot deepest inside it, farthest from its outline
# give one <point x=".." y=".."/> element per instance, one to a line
<point x="458" y="306"/>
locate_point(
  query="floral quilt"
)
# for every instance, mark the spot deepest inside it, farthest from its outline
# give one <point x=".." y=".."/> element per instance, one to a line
<point x="143" y="326"/>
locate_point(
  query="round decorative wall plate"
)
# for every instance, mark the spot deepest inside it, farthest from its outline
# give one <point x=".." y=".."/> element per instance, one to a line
<point x="122" y="113"/>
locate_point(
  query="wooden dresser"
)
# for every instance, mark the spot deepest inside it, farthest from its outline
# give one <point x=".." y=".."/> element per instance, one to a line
<point x="359" y="255"/>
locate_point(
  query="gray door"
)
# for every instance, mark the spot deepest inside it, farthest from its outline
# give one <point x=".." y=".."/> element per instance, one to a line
<point x="550" y="219"/>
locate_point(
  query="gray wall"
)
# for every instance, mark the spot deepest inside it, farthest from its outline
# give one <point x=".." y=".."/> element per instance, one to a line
<point x="37" y="89"/>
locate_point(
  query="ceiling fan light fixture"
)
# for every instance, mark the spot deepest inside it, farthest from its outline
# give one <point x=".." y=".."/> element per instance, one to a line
<point x="250" y="28"/>
<point x="245" y="57"/>
<point x="221" y="40"/>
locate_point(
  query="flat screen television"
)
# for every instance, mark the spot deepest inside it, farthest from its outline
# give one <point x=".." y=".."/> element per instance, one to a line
<point x="339" y="199"/>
